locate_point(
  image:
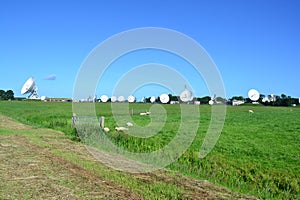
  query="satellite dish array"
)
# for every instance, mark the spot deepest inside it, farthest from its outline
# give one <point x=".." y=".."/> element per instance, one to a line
<point x="105" y="98"/>
<point x="186" y="96"/>
<point x="30" y="88"/>
<point x="254" y="96"/>
<point x="164" y="98"/>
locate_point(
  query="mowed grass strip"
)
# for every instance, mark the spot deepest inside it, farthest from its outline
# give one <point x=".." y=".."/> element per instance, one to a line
<point x="57" y="149"/>
<point x="257" y="153"/>
<point x="40" y="163"/>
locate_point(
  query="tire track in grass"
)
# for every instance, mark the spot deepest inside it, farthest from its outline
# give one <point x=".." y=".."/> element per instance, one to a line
<point x="43" y="164"/>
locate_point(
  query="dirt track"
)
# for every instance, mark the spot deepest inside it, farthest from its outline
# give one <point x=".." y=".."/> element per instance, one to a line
<point x="30" y="170"/>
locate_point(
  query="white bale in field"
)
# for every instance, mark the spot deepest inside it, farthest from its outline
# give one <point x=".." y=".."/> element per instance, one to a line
<point x="145" y="113"/>
<point x="129" y="124"/>
<point x="106" y="129"/>
<point x="250" y="111"/>
<point x="120" y="128"/>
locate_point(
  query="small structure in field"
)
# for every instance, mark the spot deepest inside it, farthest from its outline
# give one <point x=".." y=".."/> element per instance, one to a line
<point x="121" y="128"/>
<point x="237" y="102"/>
<point x="145" y="113"/>
<point x="129" y="124"/>
<point x="74" y="119"/>
<point x="106" y="129"/>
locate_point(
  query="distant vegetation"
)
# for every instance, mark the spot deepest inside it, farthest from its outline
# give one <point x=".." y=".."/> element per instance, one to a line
<point x="256" y="154"/>
<point x="271" y="100"/>
<point x="7" y="95"/>
<point x="268" y="100"/>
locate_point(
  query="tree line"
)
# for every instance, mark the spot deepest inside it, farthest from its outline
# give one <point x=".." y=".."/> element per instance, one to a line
<point x="271" y="100"/>
<point x="7" y="95"/>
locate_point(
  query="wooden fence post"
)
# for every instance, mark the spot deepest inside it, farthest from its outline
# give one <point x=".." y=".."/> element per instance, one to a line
<point x="74" y="119"/>
<point x="102" y="119"/>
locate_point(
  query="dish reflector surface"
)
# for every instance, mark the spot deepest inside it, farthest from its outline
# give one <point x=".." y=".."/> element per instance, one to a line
<point x="164" y="98"/>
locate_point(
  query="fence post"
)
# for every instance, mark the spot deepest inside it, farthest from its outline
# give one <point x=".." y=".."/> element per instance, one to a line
<point x="74" y="119"/>
<point x="102" y="119"/>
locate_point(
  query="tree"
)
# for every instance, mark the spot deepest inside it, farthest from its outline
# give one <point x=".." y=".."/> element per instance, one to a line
<point x="2" y="94"/>
<point x="283" y="96"/>
<point x="9" y="95"/>
<point x="241" y="98"/>
<point x="285" y="100"/>
<point x="204" y="100"/>
<point x="147" y="100"/>
<point x="173" y="98"/>
<point x="221" y="100"/>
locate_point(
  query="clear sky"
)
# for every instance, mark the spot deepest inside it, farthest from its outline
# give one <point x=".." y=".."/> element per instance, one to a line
<point x="254" y="43"/>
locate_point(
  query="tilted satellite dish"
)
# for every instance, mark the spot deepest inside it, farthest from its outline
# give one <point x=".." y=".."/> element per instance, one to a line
<point x="253" y="94"/>
<point x="104" y="98"/>
<point x="211" y="102"/>
<point x="186" y="96"/>
<point x="164" y="98"/>
<point x="152" y="99"/>
<point x="30" y="88"/>
<point x="121" y="98"/>
<point x="131" y="99"/>
<point x="113" y="99"/>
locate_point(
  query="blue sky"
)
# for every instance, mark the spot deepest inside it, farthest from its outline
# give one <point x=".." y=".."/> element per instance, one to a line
<point x="254" y="43"/>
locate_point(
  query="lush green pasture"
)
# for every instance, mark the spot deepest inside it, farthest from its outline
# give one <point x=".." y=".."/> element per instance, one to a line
<point x="257" y="153"/>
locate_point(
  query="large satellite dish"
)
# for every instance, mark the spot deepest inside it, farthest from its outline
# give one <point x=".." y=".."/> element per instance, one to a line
<point x="164" y="98"/>
<point x="131" y="99"/>
<point x="186" y="96"/>
<point x="30" y="88"/>
<point x="253" y="94"/>
<point x="104" y="98"/>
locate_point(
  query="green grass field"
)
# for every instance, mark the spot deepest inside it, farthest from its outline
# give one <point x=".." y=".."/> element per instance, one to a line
<point x="256" y="154"/>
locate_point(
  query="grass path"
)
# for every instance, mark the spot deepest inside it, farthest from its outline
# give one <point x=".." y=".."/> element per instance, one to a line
<point x="43" y="164"/>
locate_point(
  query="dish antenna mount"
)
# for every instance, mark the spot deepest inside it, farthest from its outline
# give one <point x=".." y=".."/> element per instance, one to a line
<point x="30" y="88"/>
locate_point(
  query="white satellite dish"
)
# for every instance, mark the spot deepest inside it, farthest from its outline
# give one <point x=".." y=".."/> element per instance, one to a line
<point x="253" y="94"/>
<point x="211" y="102"/>
<point x="113" y="99"/>
<point x="186" y="96"/>
<point x="104" y="98"/>
<point x="43" y="98"/>
<point x="164" y="98"/>
<point x="31" y="88"/>
<point x="152" y="99"/>
<point x="121" y="98"/>
<point x="131" y="99"/>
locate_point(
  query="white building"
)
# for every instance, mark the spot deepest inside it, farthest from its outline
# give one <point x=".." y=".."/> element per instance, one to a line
<point x="237" y="102"/>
